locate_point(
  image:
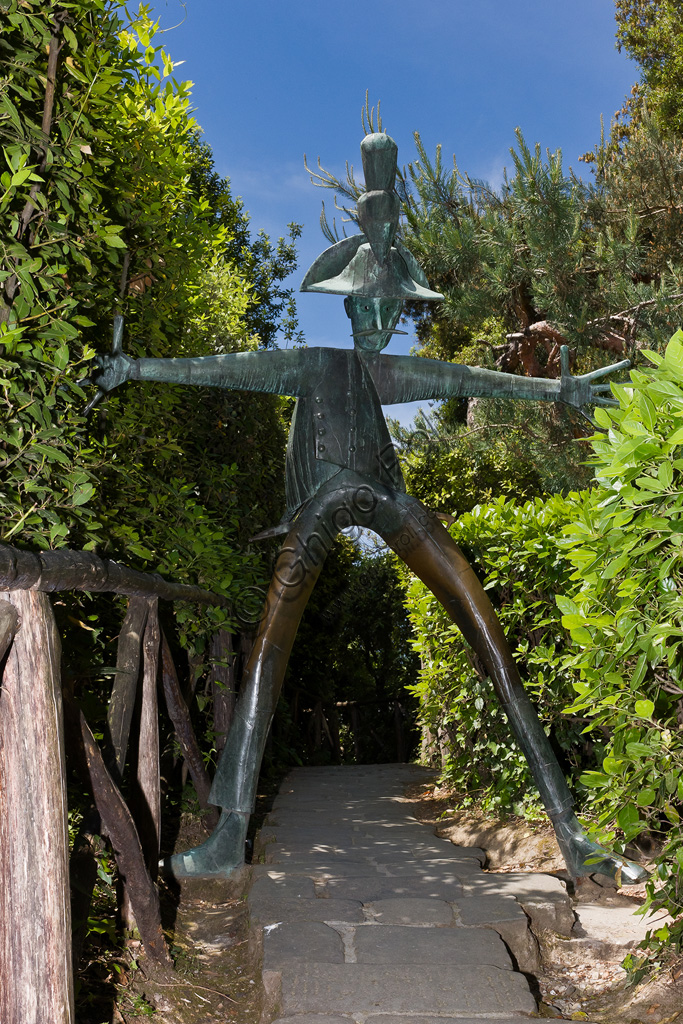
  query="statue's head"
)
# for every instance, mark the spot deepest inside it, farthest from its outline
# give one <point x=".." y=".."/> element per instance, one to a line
<point x="373" y="320"/>
<point x="374" y="270"/>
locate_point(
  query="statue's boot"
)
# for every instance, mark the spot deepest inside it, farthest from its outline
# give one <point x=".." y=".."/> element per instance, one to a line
<point x="430" y="552"/>
<point x="218" y="857"/>
<point x="234" y="787"/>
<point x="584" y="857"/>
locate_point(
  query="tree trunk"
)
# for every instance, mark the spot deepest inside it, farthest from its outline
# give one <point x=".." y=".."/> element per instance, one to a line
<point x="400" y="738"/>
<point x="428" y="747"/>
<point x="318" y="725"/>
<point x="333" y="732"/>
<point x="223" y="662"/>
<point x="35" y="914"/>
<point x="355" y="731"/>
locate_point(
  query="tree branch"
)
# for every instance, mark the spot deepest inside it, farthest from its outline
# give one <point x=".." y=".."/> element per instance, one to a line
<point x="632" y="311"/>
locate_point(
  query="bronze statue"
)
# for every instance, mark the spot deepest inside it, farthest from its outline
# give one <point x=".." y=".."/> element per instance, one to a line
<point x="342" y="470"/>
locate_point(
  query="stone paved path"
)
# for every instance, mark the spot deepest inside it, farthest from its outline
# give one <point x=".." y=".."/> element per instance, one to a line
<point x="368" y="916"/>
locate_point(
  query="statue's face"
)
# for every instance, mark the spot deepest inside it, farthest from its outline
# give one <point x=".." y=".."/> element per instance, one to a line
<point x="372" y="321"/>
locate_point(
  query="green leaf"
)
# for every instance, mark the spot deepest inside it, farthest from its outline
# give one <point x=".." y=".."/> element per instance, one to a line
<point x="566" y="605"/>
<point x="647" y="411"/>
<point x="673" y="357"/>
<point x="644" y="708"/>
<point x="51" y="454"/>
<point x="572" y="621"/>
<point x="615" y="566"/>
<point x="628" y="816"/>
<point x="61" y="357"/>
<point x="645" y="798"/>
<point x="594" y="780"/>
<point x="639" y="750"/>
<point x="649" y="483"/>
<point x="115" y="241"/>
<point x="665" y="474"/>
<point x="83" y="494"/>
<point x="20" y="176"/>
<point x="611" y="765"/>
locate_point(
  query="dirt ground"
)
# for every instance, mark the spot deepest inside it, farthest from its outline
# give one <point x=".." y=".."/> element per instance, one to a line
<point x="216" y="953"/>
<point x="581" y="977"/>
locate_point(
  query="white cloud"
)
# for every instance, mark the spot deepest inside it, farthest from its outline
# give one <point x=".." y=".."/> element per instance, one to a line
<point x="493" y="171"/>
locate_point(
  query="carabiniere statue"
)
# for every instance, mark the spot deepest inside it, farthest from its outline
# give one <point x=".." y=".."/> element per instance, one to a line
<point x="342" y="470"/>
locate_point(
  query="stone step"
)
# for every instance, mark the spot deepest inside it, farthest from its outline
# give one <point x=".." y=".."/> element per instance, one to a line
<point x="369" y="916"/>
<point x="382" y="887"/>
<point x="388" y="1018"/>
<point x="420" y="989"/>
<point x="395" y="945"/>
<point x="315" y="942"/>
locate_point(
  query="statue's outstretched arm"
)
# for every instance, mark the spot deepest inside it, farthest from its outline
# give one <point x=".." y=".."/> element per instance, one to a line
<point x="410" y="379"/>
<point x="283" y="372"/>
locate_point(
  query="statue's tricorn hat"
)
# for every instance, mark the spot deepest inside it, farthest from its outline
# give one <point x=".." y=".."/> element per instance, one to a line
<point x="374" y="264"/>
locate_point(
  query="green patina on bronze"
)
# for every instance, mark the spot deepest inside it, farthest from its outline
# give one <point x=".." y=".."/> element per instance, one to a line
<point x="341" y="471"/>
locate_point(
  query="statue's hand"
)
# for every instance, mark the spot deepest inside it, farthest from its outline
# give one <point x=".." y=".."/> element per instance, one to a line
<point x="113" y="369"/>
<point x="581" y="392"/>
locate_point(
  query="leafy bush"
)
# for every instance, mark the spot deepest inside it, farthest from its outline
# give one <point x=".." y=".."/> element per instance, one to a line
<point x="109" y="203"/>
<point x="625" y="615"/>
<point x="589" y="591"/>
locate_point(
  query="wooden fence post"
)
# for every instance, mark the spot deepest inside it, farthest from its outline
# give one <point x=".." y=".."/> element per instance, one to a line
<point x="223" y="662"/>
<point x="148" y="804"/>
<point x="122" y="703"/>
<point x="179" y="714"/>
<point x="35" y="914"/>
<point x="144" y="800"/>
<point x="9" y="620"/>
<point x="119" y="827"/>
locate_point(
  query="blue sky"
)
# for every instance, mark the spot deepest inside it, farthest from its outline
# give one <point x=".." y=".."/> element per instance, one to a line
<point x="274" y="79"/>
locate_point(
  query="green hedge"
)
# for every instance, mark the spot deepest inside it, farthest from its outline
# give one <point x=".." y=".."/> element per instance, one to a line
<point x="514" y="550"/>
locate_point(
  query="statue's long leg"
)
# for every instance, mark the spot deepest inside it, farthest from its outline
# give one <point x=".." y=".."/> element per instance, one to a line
<point x="234" y="788"/>
<point x="430" y="552"/>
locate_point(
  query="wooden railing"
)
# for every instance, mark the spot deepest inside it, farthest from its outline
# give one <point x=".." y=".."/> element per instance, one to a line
<point x="37" y="721"/>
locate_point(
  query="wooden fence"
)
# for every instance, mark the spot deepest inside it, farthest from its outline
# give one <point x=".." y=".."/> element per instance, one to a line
<point x="37" y="719"/>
